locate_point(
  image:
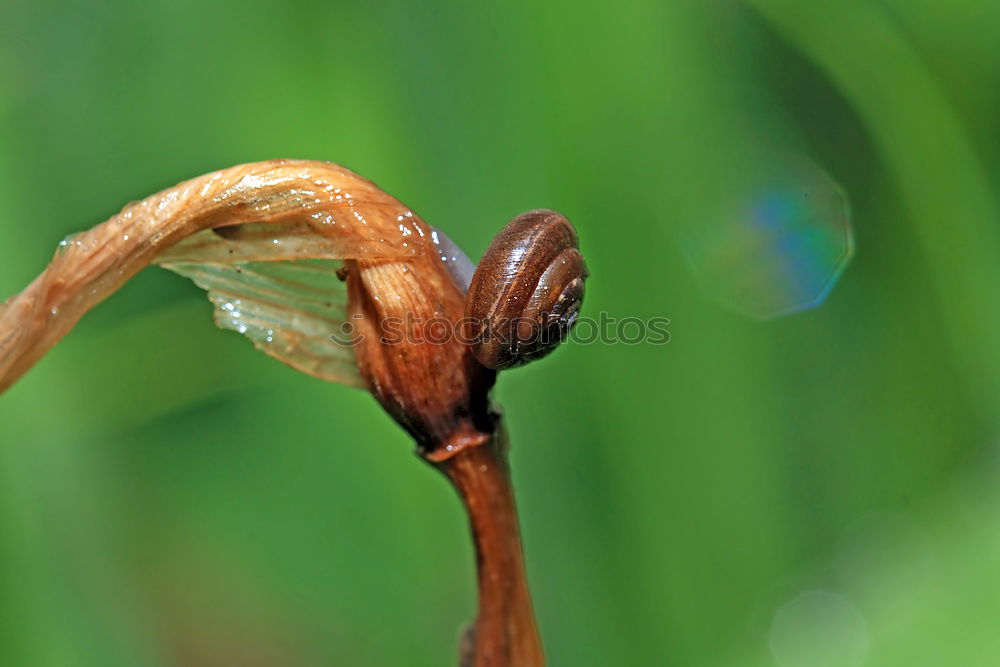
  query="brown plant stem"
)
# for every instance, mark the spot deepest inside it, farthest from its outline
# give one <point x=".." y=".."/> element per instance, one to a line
<point x="505" y="633"/>
<point x="295" y="210"/>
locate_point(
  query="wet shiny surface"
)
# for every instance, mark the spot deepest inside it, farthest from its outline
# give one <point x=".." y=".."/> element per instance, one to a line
<point x="293" y="311"/>
<point x="269" y="211"/>
<point x="454" y="258"/>
<point x="527" y="290"/>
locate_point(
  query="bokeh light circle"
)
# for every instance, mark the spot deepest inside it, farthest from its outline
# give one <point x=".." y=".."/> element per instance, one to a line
<point x="775" y="241"/>
<point x="819" y="629"/>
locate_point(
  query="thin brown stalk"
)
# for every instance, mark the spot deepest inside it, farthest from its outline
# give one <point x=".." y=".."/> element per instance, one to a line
<point x="505" y="633"/>
<point x="292" y="210"/>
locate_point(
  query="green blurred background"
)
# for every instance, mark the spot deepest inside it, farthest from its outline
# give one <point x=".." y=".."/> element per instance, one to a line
<point x="815" y="490"/>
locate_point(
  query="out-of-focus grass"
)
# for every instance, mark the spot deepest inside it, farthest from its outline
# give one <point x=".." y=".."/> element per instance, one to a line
<point x="921" y="137"/>
<point x="168" y="496"/>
